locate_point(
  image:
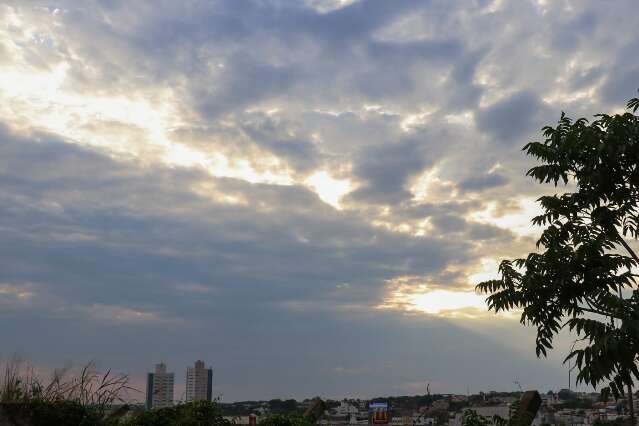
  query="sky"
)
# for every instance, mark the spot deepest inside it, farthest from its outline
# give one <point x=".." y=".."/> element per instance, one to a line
<point x="301" y="193"/>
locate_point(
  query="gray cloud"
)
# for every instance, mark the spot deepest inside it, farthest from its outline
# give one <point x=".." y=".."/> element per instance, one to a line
<point x="89" y="225"/>
<point x="622" y="86"/>
<point x="97" y="241"/>
<point x="282" y="140"/>
<point x="509" y="119"/>
<point x="232" y="89"/>
<point x="375" y="92"/>
<point x="485" y="181"/>
<point x="386" y="169"/>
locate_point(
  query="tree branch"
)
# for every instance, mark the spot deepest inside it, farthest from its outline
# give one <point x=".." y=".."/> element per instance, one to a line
<point x="598" y="312"/>
<point x="628" y="249"/>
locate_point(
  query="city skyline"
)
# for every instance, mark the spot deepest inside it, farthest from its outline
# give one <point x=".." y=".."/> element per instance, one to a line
<point x="190" y="393"/>
<point x="180" y="389"/>
<point x="302" y="192"/>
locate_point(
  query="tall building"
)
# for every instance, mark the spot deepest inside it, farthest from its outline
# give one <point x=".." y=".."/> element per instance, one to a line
<point x="199" y="383"/>
<point x="159" y="388"/>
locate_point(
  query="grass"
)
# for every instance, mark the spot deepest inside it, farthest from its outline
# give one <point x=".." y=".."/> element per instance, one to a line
<point x="80" y="396"/>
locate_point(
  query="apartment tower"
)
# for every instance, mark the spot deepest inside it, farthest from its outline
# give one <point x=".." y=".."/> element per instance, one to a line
<point x="159" y="388"/>
<point x="199" y="382"/>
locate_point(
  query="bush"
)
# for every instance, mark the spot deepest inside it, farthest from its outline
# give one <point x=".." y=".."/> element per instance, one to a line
<point x="471" y="418"/>
<point x="46" y="413"/>
<point x="81" y="399"/>
<point x="200" y="413"/>
<point x="282" y="420"/>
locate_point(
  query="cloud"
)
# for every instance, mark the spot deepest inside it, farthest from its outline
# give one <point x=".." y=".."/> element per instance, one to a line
<point x="510" y="118"/>
<point x="621" y="87"/>
<point x="232" y="89"/>
<point x="386" y="169"/>
<point x="159" y="165"/>
<point x="485" y="181"/>
<point x="132" y="236"/>
<point x="96" y="213"/>
<point x="280" y="139"/>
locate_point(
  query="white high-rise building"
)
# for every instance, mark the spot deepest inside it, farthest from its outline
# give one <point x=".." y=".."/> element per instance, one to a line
<point x="199" y="382"/>
<point x="159" y="388"/>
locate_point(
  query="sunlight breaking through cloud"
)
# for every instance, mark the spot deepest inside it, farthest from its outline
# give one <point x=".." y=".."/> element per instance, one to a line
<point x="329" y="189"/>
<point x="264" y="171"/>
<point x="517" y="219"/>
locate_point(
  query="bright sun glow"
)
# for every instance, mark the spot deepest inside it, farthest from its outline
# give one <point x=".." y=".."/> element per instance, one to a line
<point x="438" y="301"/>
<point x="329" y="189"/>
<point x="416" y="294"/>
<point x="123" y="125"/>
<point x="486" y="271"/>
<point x="431" y="188"/>
<point x="518" y="222"/>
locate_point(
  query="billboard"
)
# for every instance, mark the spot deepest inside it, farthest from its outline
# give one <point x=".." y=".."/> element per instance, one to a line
<point x="378" y="412"/>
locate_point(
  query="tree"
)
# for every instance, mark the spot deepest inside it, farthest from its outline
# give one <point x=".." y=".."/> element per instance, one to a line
<point x="471" y="418"/>
<point x="284" y="420"/>
<point x="566" y="395"/>
<point x="581" y="275"/>
<point x="197" y="413"/>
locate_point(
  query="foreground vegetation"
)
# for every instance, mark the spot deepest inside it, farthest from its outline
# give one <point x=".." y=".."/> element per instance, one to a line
<point x="88" y="397"/>
<point x="583" y="275"/>
<point x="82" y="397"/>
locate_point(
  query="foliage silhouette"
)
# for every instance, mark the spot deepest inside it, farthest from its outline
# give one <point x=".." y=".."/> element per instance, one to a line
<point x="283" y="420"/>
<point x="64" y="398"/>
<point x="199" y="413"/>
<point x="581" y="276"/>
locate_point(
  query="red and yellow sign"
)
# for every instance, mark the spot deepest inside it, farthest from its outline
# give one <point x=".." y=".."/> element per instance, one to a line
<point x="378" y="413"/>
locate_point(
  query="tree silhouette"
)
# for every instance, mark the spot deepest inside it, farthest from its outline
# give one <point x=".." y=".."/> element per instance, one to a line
<point x="581" y="275"/>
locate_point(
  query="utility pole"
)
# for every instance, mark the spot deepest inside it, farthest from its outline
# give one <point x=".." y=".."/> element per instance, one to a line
<point x="631" y="406"/>
<point x="569" y="371"/>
